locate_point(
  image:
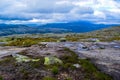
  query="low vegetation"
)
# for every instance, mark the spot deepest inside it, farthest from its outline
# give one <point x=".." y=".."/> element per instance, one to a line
<point x="26" y="42"/>
<point x="38" y="70"/>
<point x="55" y="70"/>
<point x="48" y="78"/>
<point x="110" y="34"/>
<point x="64" y="69"/>
<point x="1" y="78"/>
<point x="91" y="70"/>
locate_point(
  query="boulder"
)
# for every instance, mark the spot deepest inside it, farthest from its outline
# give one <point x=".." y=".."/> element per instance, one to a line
<point x="52" y="60"/>
<point x="77" y="65"/>
<point x="82" y="47"/>
<point x="21" y="58"/>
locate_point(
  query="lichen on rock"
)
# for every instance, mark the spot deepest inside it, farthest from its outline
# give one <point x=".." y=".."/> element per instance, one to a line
<point x="22" y="58"/>
<point x="52" y="60"/>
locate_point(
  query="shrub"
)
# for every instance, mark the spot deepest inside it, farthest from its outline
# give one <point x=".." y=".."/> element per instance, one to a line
<point x="48" y="78"/>
<point x="25" y="42"/>
<point x="91" y="70"/>
<point x="72" y="53"/>
<point x="1" y="78"/>
<point x="70" y="56"/>
<point x="7" y="59"/>
<point x="67" y="65"/>
<point x="87" y="65"/>
<point x="101" y="76"/>
<point x="55" y="70"/>
<point x="35" y="64"/>
<point x="68" y="78"/>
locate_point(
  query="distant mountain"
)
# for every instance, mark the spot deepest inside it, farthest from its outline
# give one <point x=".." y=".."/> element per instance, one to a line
<point x="79" y="27"/>
<point x="75" y="27"/>
<point x="6" y="29"/>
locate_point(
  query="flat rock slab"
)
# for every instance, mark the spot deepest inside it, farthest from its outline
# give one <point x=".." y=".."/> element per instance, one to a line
<point x="107" y="59"/>
<point x="6" y="51"/>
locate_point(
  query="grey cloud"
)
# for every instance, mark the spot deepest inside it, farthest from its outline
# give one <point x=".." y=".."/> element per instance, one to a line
<point x="59" y="10"/>
<point x="83" y="10"/>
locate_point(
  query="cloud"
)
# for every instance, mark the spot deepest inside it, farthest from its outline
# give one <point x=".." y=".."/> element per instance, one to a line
<point x="99" y="14"/>
<point x="46" y="11"/>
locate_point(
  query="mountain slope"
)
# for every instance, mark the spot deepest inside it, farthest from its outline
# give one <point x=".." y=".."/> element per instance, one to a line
<point x="75" y="27"/>
<point x="23" y="29"/>
<point x="107" y="34"/>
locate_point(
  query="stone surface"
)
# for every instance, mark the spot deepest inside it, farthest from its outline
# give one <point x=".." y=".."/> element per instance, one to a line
<point x="107" y="59"/>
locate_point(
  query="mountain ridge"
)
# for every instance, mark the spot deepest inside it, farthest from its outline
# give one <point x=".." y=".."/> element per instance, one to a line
<point x="73" y="27"/>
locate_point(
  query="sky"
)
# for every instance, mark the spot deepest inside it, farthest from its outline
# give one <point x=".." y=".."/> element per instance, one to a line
<point x="55" y="11"/>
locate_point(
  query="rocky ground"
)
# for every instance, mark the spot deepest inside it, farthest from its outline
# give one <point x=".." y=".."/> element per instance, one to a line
<point x="105" y="55"/>
<point x="6" y="51"/>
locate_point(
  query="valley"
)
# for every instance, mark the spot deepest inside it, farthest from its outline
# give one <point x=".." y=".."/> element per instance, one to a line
<point x="70" y="56"/>
<point x="58" y="28"/>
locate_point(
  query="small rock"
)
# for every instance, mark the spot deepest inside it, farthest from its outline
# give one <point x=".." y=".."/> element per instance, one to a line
<point x="77" y="65"/>
<point x="117" y="47"/>
<point x="52" y="60"/>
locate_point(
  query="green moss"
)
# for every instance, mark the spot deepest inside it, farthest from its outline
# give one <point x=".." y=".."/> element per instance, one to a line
<point x="35" y="64"/>
<point x="68" y="78"/>
<point x="52" y="60"/>
<point x="25" y="73"/>
<point x="101" y="76"/>
<point x="27" y="41"/>
<point x="72" y="53"/>
<point x="69" y="57"/>
<point x="22" y="58"/>
<point x="1" y="78"/>
<point x="91" y="70"/>
<point x="7" y="59"/>
<point x="87" y="65"/>
<point x="48" y="78"/>
<point x="67" y="65"/>
<point x="55" y="70"/>
<point x="22" y="42"/>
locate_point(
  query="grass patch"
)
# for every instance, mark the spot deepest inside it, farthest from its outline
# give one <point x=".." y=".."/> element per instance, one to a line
<point x="1" y="78"/>
<point x="27" y="41"/>
<point x="70" y="56"/>
<point x="55" y="70"/>
<point x="48" y="78"/>
<point x="27" y="69"/>
<point x="7" y="60"/>
<point x="72" y="53"/>
<point x="91" y="70"/>
<point x="22" y="42"/>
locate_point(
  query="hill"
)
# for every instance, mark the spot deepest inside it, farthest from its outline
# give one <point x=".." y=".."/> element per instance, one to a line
<point x="6" y="29"/>
<point x="73" y="58"/>
<point x="107" y="34"/>
<point x="77" y="27"/>
<point x="73" y="27"/>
